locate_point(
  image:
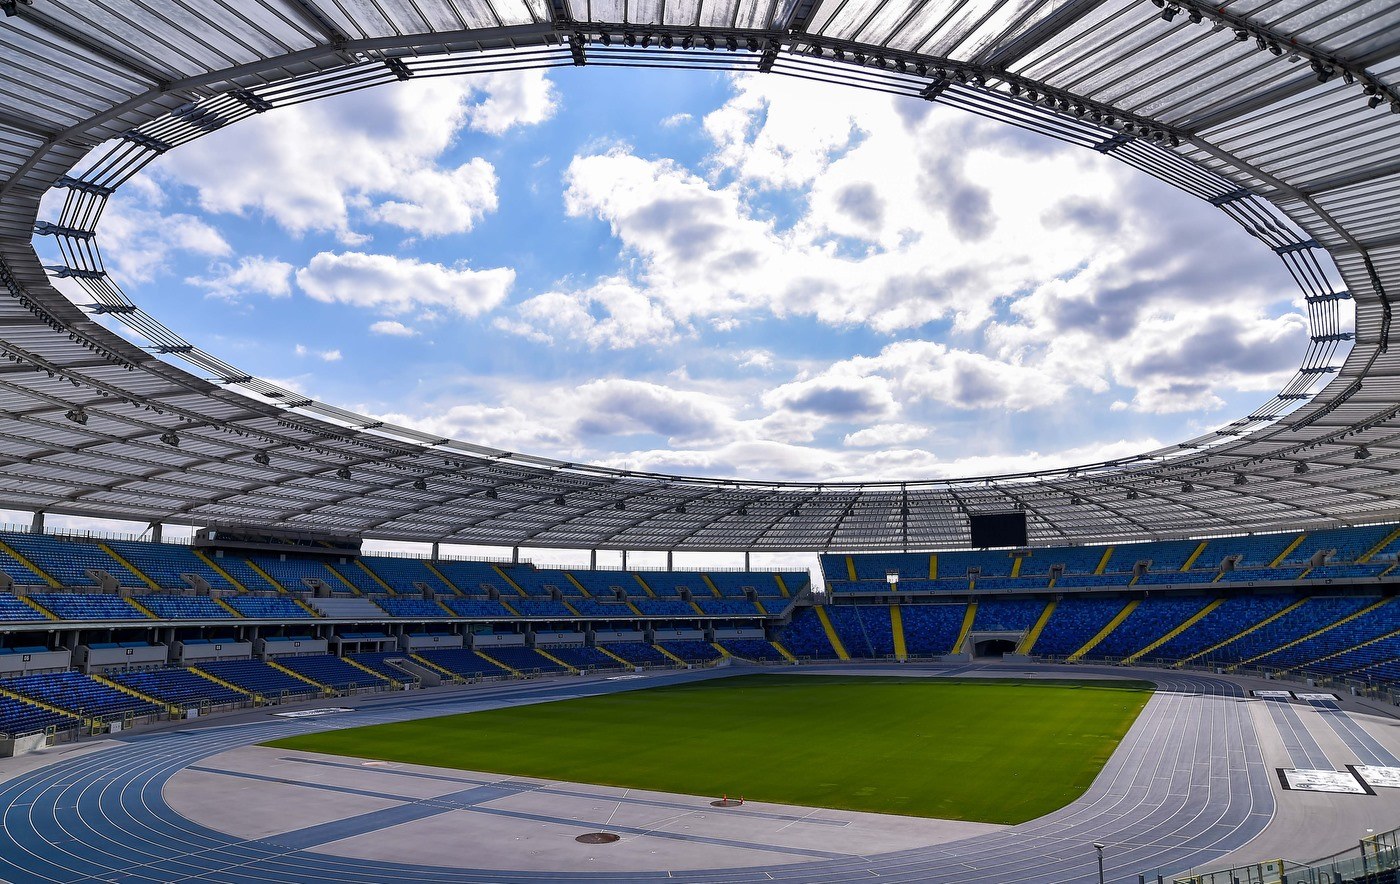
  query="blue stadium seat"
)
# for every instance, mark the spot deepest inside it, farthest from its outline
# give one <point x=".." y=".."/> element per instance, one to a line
<point x="755" y="649"/>
<point x="178" y="687"/>
<point x="929" y="630"/>
<point x="640" y="654"/>
<point x="79" y="695"/>
<point x="462" y="662"/>
<point x="260" y="607"/>
<point x="691" y="651"/>
<point x="185" y="607"/>
<point x="258" y="677"/>
<point x="411" y="607"/>
<point x="331" y="671"/>
<point x="87" y="606"/>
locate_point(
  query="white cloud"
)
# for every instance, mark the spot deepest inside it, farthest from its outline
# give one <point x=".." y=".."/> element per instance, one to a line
<point x="139" y="243"/>
<point x="675" y="120"/>
<point x="253" y="275"/>
<point x="399" y="285"/>
<point x="612" y="313"/>
<point x="393" y="328"/>
<point x="885" y="435"/>
<point x="324" y="355"/>
<point x="314" y="166"/>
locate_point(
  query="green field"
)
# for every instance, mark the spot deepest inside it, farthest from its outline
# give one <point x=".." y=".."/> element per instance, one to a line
<point x="973" y="749"/>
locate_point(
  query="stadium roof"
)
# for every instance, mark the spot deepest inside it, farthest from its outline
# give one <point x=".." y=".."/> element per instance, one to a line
<point x="1284" y="113"/>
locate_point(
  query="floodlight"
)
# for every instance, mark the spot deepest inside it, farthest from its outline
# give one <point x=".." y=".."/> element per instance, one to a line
<point x="743" y="511"/>
<point x="1194" y="16"/>
<point x="605" y="39"/>
<point x="1300" y="467"/>
<point x="1187" y="488"/>
<point x="629" y="39"/>
<point x="1240" y="479"/>
<point x="343" y="472"/>
<point x="261" y="459"/>
<point x="666" y="41"/>
<point x="688" y="42"/>
<point x="731" y="44"/>
<point x="1374" y="101"/>
<point x="1169" y="12"/>
<point x="1324" y="72"/>
<point x="77" y="415"/>
<point x="1241" y="35"/>
<point x="680" y="510"/>
<point x="620" y="505"/>
<point x="752" y="44"/>
<point x="559" y="500"/>
<point x="1076" y="500"/>
<point x="1361" y="453"/>
<point x="490" y="494"/>
<point x="646" y="40"/>
<point x="710" y="43"/>
<point x="420" y="485"/>
<point x="1132" y="494"/>
<point x="169" y="438"/>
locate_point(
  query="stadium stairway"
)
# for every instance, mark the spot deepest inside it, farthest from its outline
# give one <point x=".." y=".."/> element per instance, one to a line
<point x="359" y="563"/>
<point x="1329" y="627"/>
<point x="509" y="582"/>
<point x="896" y="627"/>
<point x="118" y="686"/>
<point x="220" y="571"/>
<point x="787" y="655"/>
<point x="26" y="562"/>
<point x="1283" y="556"/>
<point x="1111" y="625"/>
<point x="579" y="586"/>
<point x="228" y="684"/>
<point x="1103" y="562"/>
<point x="374" y="672"/>
<point x="830" y="630"/>
<point x="625" y="663"/>
<point x="572" y="670"/>
<point x="1178" y="630"/>
<point x="1246" y="631"/>
<point x="48" y="615"/>
<point x="327" y="689"/>
<point x="672" y="656"/>
<point x="443" y="577"/>
<point x="120" y="560"/>
<point x="1196" y="554"/>
<point x="851" y="569"/>
<point x="644" y="585"/>
<point x="1370" y="553"/>
<point x="494" y="662"/>
<point x="342" y="579"/>
<point x="782" y="586"/>
<point x="272" y="581"/>
<point x="1033" y="635"/>
<point x="711" y="584"/>
<point x="135" y="602"/>
<point x="969" y="616"/>
<point x="1303" y="667"/>
<point x="35" y="701"/>
<point x="429" y="665"/>
<point x="723" y="651"/>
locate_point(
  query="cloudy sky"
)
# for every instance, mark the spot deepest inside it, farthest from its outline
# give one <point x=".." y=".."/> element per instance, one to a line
<point x="702" y="273"/>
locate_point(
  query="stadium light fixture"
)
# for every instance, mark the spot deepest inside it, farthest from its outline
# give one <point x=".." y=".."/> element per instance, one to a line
<point x="420" y="485"/>
<point x="261" y="459"/>
<point x="667" y="42"/>
<point x="710" y="43"/>
<point x="688" y="42"/>
<point x="646" y="41"/>
<point x="680" y="510"/>
<point x="1098" y="848"/>
<point x="1240" y="479"/>
<point x="77" y="415"/>
<point x="1132" y="494"/>
<point x="1076" y="500"/>
<point x="732" y="44"/>
<point x="169" y="438"/>
<point x="1300" y="467"/>
<point x="1194" y="16"/>
<point x="1187" y="488"/>
<point x="490" y="494"/>
<point x="605" y="39"/>
<point x="1361" y="453"/>
<point x="343" y="472"/>
<point x="620" y="505"/>
<point x="752" y="44"/>
<point x="559" y="500"/>
<point x="1241" y="35"/>
<point x="629" y="39"/>
<point x="1169" y="13"/>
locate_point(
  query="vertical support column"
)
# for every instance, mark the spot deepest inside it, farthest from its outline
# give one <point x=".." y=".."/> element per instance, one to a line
<point x="515" y="555"/>
<point x="670" y="560"/>
<point x="157" y="532"/>
<point x="36" y="524"/>
<point x="437" y="550"/>
<point x="593" y="560"/>
<point x="747" y="566"/>
<point x="624" y="560"/>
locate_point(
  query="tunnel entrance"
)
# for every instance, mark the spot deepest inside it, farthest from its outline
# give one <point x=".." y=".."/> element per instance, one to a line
<point x="995" y="648"/>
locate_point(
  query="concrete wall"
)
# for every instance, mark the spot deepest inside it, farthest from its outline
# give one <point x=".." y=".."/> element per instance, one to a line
<point x="683" y="634"/>
<point x="11" y="747"/>
<point x="20" y="664"/>
<point x="202" y="653"/>
<point x="419" y="642"/>
<point x="496" y="641"/>
<point x="739" y="632"/>
<point x="618" y="635"/>
<point x="273" y="647"/>
<point x="106" y="658"/>
<point x="545" y="639"/>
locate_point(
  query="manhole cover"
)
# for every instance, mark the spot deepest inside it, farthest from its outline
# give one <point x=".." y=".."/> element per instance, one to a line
<point x="597" y="838"/>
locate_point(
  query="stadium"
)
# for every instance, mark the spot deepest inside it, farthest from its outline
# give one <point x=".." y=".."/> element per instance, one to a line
<point x="1179" y="665"/>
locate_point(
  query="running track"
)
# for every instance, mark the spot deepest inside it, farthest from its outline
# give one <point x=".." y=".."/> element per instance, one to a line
<point x="1187" y="785"/>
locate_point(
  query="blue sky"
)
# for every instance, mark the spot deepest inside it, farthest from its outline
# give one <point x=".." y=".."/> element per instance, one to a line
<point x="699" y="273"/>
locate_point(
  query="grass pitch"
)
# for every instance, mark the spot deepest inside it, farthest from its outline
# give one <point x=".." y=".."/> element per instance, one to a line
<point x="973" y="749"/>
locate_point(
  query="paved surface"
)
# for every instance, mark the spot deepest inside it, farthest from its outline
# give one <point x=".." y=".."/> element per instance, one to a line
<point x="1189" y="785"/>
